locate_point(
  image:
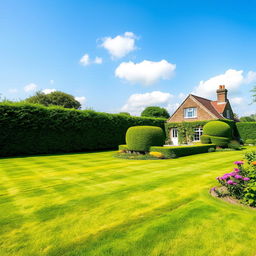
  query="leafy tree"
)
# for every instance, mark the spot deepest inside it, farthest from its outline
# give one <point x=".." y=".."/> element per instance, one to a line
<point x="57" y="98"/>
<point x="154" y="111"/>
<point x="125" y="113"/>
<point x="251" y="118"/>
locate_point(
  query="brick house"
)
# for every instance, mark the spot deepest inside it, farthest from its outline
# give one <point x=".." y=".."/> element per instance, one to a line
<point x="195" y="108"/>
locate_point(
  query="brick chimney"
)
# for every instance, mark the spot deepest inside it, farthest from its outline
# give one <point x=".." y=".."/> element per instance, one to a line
<point x="222" y="94"/>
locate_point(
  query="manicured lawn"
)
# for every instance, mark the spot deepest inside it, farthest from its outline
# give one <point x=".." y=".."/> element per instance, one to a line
<point x="95" y="204"/>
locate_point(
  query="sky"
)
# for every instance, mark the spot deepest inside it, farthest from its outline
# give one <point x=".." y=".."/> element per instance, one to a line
<point x="122" y="56"/>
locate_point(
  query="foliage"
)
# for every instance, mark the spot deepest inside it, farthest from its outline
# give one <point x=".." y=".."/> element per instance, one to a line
<point x="247" y="130"/>
<point x="250" y="141"/>
<point x="125" y="113"/>
<point x="123" y="147"/>
<point x="34" y="129"/>
<point x="217" y="129"/>
<point x="213" y="149"/>
<point x="251" y="118"/>
<point x="253" y="94"/>
<point x="172" y="152"/>
<point x="220" y="141"/>
<point x="56" y="98"/>
<point x="205" y="139"/>
<point x="157" y="155"/>
<point x="250" y="156"/>
<point x="154" y="111"/>
<point x="134" y="156"/>
<point x="141" y="138"/>
<point x="234" y="144"/>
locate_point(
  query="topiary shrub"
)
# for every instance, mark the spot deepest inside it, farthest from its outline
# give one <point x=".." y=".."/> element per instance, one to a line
<point x="141" y="138"/>
<point x="205" y="139"/>
<point x="234" y="144"/>
<point x="249" y="142"/>
<point x="220" y="141"/>
<point x="217" y="129"/>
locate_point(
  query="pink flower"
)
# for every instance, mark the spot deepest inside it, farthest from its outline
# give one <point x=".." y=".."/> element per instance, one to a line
<point x="238" y="176"/>
<point x="232" y="174"/>
<point x="238" y="162"/>
<point x="234" y="183"/>
<point x="230" y="182"/>
<point x="236" y="170"/>
<point x="246" y="179"/>
<point x="225" y="176"/>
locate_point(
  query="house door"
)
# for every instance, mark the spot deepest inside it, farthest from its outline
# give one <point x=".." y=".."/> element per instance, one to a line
<point x="174" y="136"/>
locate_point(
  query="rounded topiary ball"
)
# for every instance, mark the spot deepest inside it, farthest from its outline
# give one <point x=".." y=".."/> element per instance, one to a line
<point x="218" y="129"/>
<point x="141" y="138"/>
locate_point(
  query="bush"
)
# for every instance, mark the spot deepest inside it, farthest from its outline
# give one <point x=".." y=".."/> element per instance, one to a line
<point x="205" y="139"/>
<point x="172" y="152"/>
<point x="155" y="111"/>
<point x="141" y="138"/>
<point x="250" y="156"/>
<point x="157" y="155"/>
<point x="246" y="130"/>
<point x="34" y="129"/>
<point x="249" y="142"/>
<point x="234" y="144"/>
<point x="211" y="150"/>
<point x="220" y="141"/>
<point x="217" y="129"/>
<point x="123" y="148"/>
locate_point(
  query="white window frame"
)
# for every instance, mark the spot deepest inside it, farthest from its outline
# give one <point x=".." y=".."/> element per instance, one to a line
<point x="228" y="114"/>
<point x="174" y="132"/>
<point x="197" y="133"/>
<point x="190" y="110"/>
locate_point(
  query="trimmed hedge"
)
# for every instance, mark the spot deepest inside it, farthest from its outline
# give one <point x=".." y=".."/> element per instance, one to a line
<point x="218" y="129"/>
<point x="220" y="141"/>
<point x="141" y="138"/>
<point x="246" y="130"/>
<point x="172" y="152"/>
<point x="205" y="139"/>
<point x="27" y="129"/>
<point x="123" y="147"/>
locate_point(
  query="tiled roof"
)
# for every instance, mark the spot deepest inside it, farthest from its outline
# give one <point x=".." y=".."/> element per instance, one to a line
<point x="211" y="106"/>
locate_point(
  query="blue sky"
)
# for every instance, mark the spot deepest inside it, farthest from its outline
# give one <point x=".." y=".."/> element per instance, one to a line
<point x="126" y="55"/>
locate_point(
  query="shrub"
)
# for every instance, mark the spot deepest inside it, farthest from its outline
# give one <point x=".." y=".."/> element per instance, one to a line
<point x="34" y="129"/>
<point x="211" y="150"/>
<point x="234" y="144"/>
<point x="157" y="155"/>
<point x="141" y="138"/>
<point x="217" y="129"/>
<point x="249" y="142"/>
<point x="205" y="139"/>
<point x="250" y="156"/>
<point x="123" y="148"/>
<point x="220" y="141"/>
<point x="172" y="152"/>
<point x="246" y="130"/>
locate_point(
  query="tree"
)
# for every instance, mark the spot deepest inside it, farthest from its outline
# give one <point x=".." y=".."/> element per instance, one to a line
<point x="251" y="118"/>
<point x="57" y="98"/>
<point x="154" y="111"/>
<point x="124" y="113"/>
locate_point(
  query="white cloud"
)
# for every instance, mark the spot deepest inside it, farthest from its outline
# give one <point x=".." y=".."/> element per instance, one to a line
<point x="81" y="99"/>
<point x="98" y="60"/>
<point x="146" y="72"/>
<point x="120" y="45"/>
<point x="136" y="103"/>
<point x="85" y="60"/>
<point x="48" y="91"/>
<point x="236" y="100"/>
<point x="30" y="87"/>
<point x="14" y="90"/>
<point x="232" y="79"/>
<point x="51" y="81"/>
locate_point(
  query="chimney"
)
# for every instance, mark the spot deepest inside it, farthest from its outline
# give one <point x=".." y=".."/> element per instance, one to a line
<point x="222" y="94"/>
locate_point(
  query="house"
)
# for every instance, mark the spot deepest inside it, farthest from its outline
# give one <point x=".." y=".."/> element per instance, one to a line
<point x="195" y="108"/>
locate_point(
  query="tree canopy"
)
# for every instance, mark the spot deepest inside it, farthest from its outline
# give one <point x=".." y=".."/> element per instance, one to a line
<point x="56" y="98"/>
<point x="154" y="111"/>
<point x="251" y="118"/>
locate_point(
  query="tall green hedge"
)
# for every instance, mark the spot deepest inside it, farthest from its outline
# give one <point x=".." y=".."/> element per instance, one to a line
<point x="246" y="130"/>
<point x="34" y="129"/>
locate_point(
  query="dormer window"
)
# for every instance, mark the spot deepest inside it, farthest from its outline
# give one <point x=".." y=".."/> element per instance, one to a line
<point x="190" y="113"/>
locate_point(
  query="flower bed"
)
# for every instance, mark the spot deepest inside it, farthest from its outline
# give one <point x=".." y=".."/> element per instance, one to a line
<point x="239" y="184"/>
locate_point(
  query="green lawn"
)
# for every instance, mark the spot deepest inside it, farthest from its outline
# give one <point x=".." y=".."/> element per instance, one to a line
<point x="95" y="204"/>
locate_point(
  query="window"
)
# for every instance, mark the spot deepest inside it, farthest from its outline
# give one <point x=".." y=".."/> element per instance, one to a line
<point x="190" y="112"/>
<point x="228" y="114"/>
<point x="174" y="132"/>
<point x="198" y="133"/>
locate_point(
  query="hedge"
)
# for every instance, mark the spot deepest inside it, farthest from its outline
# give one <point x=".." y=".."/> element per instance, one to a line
<point x="34" y="129"/>
<point x="205" y="139"/>
<point x="141" y="138"/>
<point x="246" y="130"/>
<point x="172" y="152"/>
<point x="220" y="141"/>
<point x="217" y="128"/>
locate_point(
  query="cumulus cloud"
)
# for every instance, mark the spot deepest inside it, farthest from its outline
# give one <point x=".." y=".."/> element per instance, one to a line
<point x="30" y="87"/>
<point x="48" y="91"/>
<point x="120" y="45"/>
<point x="81" y="99"/>
<point x="136" y="103"/>
<point x="146" y="72"/>
<point x="232" y="79"/>
<point x="85" y="60"/>
<point x="98" y="60"/>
